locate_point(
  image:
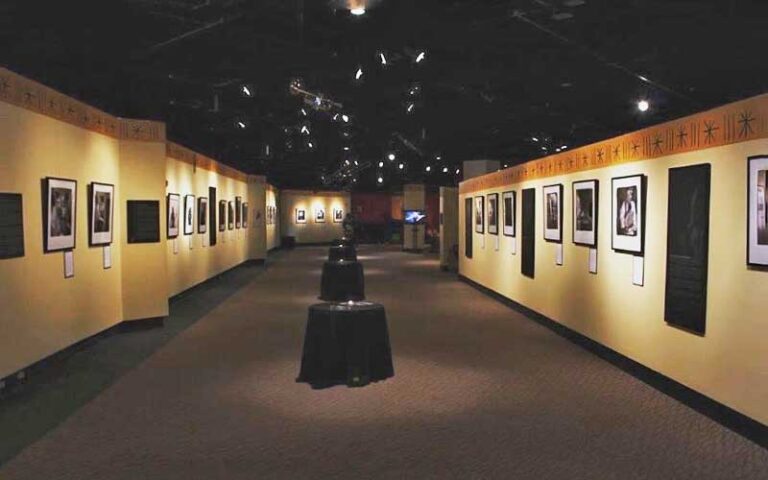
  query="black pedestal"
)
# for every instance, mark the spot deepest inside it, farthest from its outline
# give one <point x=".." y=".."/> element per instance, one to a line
<point x="346" y="344"/>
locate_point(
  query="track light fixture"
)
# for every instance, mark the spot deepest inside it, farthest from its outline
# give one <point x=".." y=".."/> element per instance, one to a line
<point x="421" y="56"/>
<point x="643" y="105"/>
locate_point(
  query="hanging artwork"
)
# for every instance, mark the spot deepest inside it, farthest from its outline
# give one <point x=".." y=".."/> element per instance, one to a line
<point x="189" y="214"/>
<point x="338" y="215"/>
<point x="238" y="211"/>
<point x="479" y="214"/>
<point x="143" y="221"/>
<point x="101" y="203"/>
<point x="319" y="215"/>
<point x="585" y="197"/>
<point x="757" y="226"/>
<point x="59" y="212"/>
<point x="222" y="215"/>
<point x="11" y="225"/>
<point x="172" y="210"/>
<point x="493" y="213"/>
<point x="301" y="215"/>
<point x="230" y="215"/>
<point x="245" y="215"/>
<point x="202" y="215"/>
<point x="627" y="212"/>
<point x="510" y="203"/>
<point x="553" y="213"/>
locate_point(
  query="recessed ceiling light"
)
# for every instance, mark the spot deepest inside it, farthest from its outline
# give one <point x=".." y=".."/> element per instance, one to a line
<point x="345" y="118"/>
<point x="381" y="164"/>
<point x="380" y="180"/>
<point x="428" y="168"/>
<point x="534" y="139"/>
<point x="445" y="169"/>
<point x="391" y="156"/>
<point x="643" y="105"/>
<point x="400" y="166"/>
<point x="241" y="124"/>
<point x="357" y="11"/>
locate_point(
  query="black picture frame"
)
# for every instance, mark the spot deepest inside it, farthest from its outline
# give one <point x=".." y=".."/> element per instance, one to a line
<point x="69" y="226"/>
<point x="245" y="214"/>
<point x="143" y="221"/>
<point x="493" y="213"/>
<point x="757" y="234"/>
<point x="189" y="214"/>
<point x="222" y="215"/>
<point x="212" y="217"/>
<point x="172" y="209"/>
<point x="595" y="219"/>
<point x="553" y="234"/>
<point x="202" y="215"/>
<point x="480" y="214"/>
<point x="96" y="222"/>
<point x="238" y="212"/>
<point x="230" y="215"/>
<point x="469" y="226"/>
<point x="11" y="225"/>
<point x="640" y="182"/>
<point x="509" y="228"/>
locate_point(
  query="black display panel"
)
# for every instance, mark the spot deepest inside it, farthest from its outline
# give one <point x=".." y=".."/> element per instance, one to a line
<point x="212" y="206"/>
<point x="11" y="225"/>
<point x="143" y="221"/>
<point x="685" y="299"/>
<point x="528" y="250"/>
<point x="468" y="227"/>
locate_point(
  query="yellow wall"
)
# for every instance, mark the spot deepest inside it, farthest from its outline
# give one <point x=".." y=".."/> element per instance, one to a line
<point x="191" y="266"/>
<point x="42" y="312"/>
<point x="273" y="229"/>
<point x="730" y="363"/>
<point x="312" y="232"/>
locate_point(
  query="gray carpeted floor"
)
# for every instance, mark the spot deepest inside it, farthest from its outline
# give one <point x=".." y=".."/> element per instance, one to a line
<point x="479" y="392"/>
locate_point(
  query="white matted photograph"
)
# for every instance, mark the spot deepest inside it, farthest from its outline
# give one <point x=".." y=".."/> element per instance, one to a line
<point x="510" y="203"/>
<point x="101" y="213"/>
<point x="59" y="212"/>
<point x="627" y="211"/>
<point x="493" y="213"/>
<point x="202" y="215"/>
<point x="479" y="214"/>
<point x="585" y="198"/>
<point x="553" y="213"/>
<point x="338" y="215"/>
<point x="189" y="214"/>
<point x="301" y="215"/>
<point x="320" y="215"/>
<point x="757" y="226"/>
<point x="173" y="204"/>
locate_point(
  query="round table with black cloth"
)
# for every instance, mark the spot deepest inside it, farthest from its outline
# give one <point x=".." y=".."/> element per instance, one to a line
<point x="346" y="344"/>
<point x="342" y="281"/>
<point x="342" y="252"/>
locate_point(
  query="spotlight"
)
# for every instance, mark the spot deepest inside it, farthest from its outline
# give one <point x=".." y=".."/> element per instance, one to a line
<point x="381" y="164"/>
<point x="506" y="166"/>
<point x="241" y="125"/>
<point x="563" y="147"/>
<point x="410" y="107"/>
<point x="346" y="149"/>
<point x="400" y="166"/>
<point x="428" y="168"/>
<point x="346" y="162"/>
<point x="643" y="105"/>
<point x="380" y="180"/>
<point x="438" y="158"/>
<point x="356" y="163"/>
<point x="336" y="117"/>
<point x="310" y="145"/>
<point x="357" y="11"/>
<point x="445" y="169"/>
<point x="458" y="170"/>
<point x="391" y="157"/>
<point x="420" y="57"/>
<point x="303" y="112"/>
<point x="304" y="130"/>
<point x="383" y="59"/>
<point x="345" y="118"/>
<point x="534" y="139"/>
<point x="246" y="91"/>
<point x="359" y="74"/>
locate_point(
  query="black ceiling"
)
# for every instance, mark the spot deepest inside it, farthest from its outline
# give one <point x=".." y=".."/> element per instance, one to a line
<point x="495" y="74"/>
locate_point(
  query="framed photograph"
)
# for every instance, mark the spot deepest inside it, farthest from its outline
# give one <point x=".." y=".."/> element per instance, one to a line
<point x="553" y="213"/>
<point x="143" y="221"/>
<point x="245" y="215"/>
<point x="320" y="215"/>
<point x="202" y="215"/>
<point x="172" y="211"/>
<point x="222" y="215"/>
<point x="301" y="215"/>
<point x="479" y="214"/>
<point x="757" y="226"/>
<point x="59" y="212"/>
<point x="230" y="215"/>
<point x="493" y="213"/>
<point x="510" y="203"/>
<point x="628" y="213"/>
<point x="101" y="205"/>
<point x="585" y="198"/>
<point x="338" y="215"/>
<point x="11" y="225"/>
<point x="189" y="214"/>
<point x="238" y="212"/>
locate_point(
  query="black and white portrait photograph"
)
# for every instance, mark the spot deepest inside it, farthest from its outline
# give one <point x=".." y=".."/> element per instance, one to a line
<point x="319" y="215"/>
<point x="338" y="215"/>
<point x="627" y="213"/>
<point x="585" y="202"/>
<point x="173" y="212"/>
<point x="493" y="213"/>
<point x="480" y="214"/>
<point x="189" y="214"/>
<point x="510" y="203"/>
<point x="301" y="215"/>
<point x="245" y="215"/>
<point x="231" y="215"/>
<point x="59" y="214"/>
<point x="202" y="215"/>
<point x="222" y="215"/>
<point x="757" y="233"/>
<point x="101" y="210"/>
<point x="238" y="211"/>
<point x="553" y="213"/>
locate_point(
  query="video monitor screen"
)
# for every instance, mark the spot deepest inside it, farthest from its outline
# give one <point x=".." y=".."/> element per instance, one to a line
<point x="414" y="217"/>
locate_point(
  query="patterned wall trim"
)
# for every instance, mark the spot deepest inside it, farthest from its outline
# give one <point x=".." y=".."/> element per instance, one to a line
<point x="736" y="122"/>
<point x="179" y="152"/>
<point x="33" y="96"/>
<point x="312" y="193"/>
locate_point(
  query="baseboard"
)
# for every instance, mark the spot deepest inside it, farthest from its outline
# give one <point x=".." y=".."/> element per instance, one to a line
<point x="720" y="413"/>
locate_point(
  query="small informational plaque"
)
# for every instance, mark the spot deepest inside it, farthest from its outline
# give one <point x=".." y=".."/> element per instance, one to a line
<point x="559" y="254"/>
<point x="143" y="221"/>
<point x="191" y="239"/>
<point x="205" y="240"/>
<point x="513" y="245"/>
<point x="496" y="238"/>
<point x="175" y="246"/>
<point x="11" y="226"/>
<point x="107" y="257"/>
<point x="638" y="270"/>
<point x="69" y="264"/>
<point x="592" y="260"/>
<point x="482" y="241"/>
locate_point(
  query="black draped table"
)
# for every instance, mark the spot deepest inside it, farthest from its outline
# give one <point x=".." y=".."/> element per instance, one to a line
<point x="342" y="281"/>
<point x="346" y="344"/>
<point x="342" y="252"/>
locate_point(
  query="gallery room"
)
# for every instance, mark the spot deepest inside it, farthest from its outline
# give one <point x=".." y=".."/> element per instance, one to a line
<point x="383" y="239"/>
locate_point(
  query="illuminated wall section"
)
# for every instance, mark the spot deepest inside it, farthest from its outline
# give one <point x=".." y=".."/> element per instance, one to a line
<point x="272" y="222"/>
<point x="312" y="230"/>
<point x="728" y="363"/>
